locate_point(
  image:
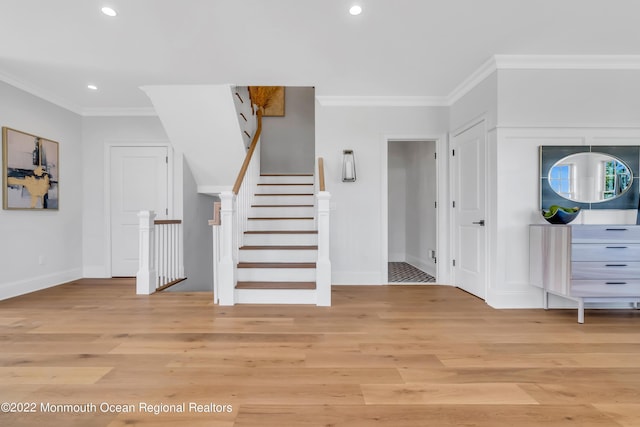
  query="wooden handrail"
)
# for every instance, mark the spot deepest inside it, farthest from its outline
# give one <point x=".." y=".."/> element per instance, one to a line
<point x="247" y="159"/>
<point x="167" y="221"/>
<point x="321" y="173"/>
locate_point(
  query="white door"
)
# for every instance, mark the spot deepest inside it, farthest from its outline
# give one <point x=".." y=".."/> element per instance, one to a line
<point x="468" y="207"/>
<point x="139" y="181"/>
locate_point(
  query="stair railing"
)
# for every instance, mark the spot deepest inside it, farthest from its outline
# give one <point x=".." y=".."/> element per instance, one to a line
<point x="161" y="262"/>
<point x="234" y="213"/>
<point x="323" y="265"/>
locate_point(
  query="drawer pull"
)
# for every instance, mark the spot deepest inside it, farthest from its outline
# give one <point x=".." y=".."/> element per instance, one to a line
<point x="616" y="229"/>
<point x="615" y="283"/>
<point x="616" y="247"/>
<point x="615" y="265"/>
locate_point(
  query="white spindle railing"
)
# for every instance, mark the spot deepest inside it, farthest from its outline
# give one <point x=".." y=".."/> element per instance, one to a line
<point x="234" y="214"/>
<point x="161" y="263"/>
<point x="168" y="255"/>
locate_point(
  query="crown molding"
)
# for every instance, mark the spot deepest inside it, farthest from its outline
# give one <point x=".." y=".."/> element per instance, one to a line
<point x="481" y="73"/>
<point x="542" y="62"/>
<point x="119" y="112"/>
<point x="382" y="101"/>
<point x="40" y="93"/>
<point x="567" y="62"/>
<point x="496" y="62"/>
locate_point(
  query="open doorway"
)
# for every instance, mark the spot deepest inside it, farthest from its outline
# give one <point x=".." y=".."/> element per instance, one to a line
<point x="412" y="212"/>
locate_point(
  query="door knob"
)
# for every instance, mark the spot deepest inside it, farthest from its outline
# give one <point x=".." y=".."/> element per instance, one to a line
<point x="480" y="223"/>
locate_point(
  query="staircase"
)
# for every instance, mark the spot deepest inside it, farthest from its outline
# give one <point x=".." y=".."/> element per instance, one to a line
<point x="277" y="262"/>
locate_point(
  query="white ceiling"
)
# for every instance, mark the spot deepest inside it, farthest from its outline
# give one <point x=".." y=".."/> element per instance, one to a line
<point x="54" y="48"/>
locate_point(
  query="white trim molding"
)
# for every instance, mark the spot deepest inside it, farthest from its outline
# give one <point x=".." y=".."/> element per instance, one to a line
<point x="120" y="112"/>
<point x="21" y="287"/>
<point x="40" y="93"/>
<point x="382" y="101"/>
<point x="542" y="62"/>
<point x="567" y="62"/>
<point x="474" y="79"/>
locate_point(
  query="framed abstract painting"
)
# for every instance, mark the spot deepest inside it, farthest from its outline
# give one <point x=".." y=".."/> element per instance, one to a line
<point x="30" y="167"/>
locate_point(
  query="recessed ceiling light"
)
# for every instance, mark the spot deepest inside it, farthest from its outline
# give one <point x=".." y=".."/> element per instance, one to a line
<point x="92" y="87"/>
<point x="355" y="10"/>
<point x="109" y="11"/>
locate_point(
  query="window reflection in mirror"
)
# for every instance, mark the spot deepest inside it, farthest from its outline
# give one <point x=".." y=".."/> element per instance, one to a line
<point x="590" y="177"/>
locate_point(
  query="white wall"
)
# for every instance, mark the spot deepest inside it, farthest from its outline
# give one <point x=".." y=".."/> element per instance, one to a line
<point x="202" y="122"/>
<point x="97" y="133"/>
<point x="568" y="98"/>
<point x="481" y="101"/>
<point x="549" y="107"/>
<point x="54" y="235"/>
<point x="288" y="143"/>
<point x="422" y="220"/>
<point x="357" y="238"/>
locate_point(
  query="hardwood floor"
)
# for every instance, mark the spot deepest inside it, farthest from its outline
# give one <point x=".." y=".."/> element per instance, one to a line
<point x="381" y="356"/>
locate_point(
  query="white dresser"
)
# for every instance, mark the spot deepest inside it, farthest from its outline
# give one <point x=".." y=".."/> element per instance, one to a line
<point x="599" y="263"/>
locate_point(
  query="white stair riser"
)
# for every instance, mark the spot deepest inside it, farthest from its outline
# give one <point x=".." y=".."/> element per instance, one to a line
<point x="280" y="239"/>
<point x="276" y="274"/>
<point x="279" y="224"/>
<point x="278" y="255"/>
<point x="275" y="296"/>
<point x="285" y="189"/>
<point x="287" y="179"/>
<point x="283" y="200"/>
<point x="279" y="212"/>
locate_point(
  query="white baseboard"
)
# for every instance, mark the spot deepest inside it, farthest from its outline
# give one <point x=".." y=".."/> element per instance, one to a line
<point x="95" y="272"/>
<point x="530" y="297"/>
<point x="21" y="287"/>
<point x="424" y="265"/>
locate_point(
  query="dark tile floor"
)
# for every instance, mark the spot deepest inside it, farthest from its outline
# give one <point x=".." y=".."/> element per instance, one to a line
<point x="402" y="272"/>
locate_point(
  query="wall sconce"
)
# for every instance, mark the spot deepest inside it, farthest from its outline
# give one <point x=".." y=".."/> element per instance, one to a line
<point x="348" y="166"/>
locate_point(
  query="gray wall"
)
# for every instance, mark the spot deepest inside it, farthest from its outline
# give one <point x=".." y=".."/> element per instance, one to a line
<point x="397" y="201"/>
<point x="198" y="251"/>
<point x="288" y="143"/>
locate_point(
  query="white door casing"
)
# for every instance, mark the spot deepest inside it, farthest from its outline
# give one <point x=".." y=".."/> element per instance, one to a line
<point x="442" y="211"/>
<point x="138" y="181"/>
<point x="468" y="192"/>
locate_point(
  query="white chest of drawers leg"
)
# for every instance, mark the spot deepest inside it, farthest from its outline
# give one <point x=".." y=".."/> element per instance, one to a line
<point x="592" y="263"/>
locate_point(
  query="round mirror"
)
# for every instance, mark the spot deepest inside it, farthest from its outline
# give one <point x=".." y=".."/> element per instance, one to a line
<point x="590" y="177"/>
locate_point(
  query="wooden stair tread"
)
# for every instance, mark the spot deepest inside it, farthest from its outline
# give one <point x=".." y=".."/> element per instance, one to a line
<point x="275" y="285"/>
<point x="281" y="206"/>
<point x="282" y="232"/>
<point x="276" y="265"/>
<point x="283" y="194"/>
<point x="286" y="174"/>
<point x="292" y="183"/>
<point x="278" y="218"/>
<point x="275" y="247"/>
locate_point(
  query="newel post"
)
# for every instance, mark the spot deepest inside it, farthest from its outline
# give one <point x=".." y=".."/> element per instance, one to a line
<point x="227" y="273"/>
<point x="146" y="276"/>
<point x="323" y="266"/>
